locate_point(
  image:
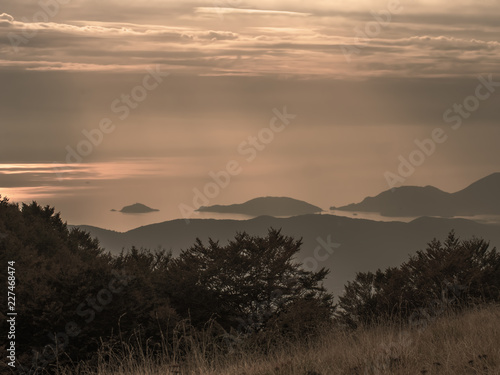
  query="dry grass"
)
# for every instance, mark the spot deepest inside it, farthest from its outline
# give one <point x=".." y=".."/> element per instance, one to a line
<point x="467" y="343"/>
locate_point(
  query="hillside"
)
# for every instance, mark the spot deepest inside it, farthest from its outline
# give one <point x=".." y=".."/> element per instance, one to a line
<point x="273" y="206"/>
<point x="449" y="345"/>
<point x="190" y="308"/>
<point x="483" y="196"/>
<point x="479" y="198"/>
<point x="364" y="245"/>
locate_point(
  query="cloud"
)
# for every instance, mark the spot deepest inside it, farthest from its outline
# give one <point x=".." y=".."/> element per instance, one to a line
<point x="304" y="39"/>
<point x="215" y="35"/>
<point x="447" y="43"/>
<point x="6" y="19"/>
<point x="252" y="12"/>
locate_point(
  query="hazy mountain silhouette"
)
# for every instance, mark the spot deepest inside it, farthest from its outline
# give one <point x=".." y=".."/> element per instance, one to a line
<point x="273" y="206"/>
<point x="137" y="208"/>
<point x="364" y="245"/>
<point x="480" y="198"/>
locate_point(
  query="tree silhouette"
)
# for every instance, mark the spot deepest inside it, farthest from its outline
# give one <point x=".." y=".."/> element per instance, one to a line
<point x="244" y="283"/>
<point x="455" y="273"/>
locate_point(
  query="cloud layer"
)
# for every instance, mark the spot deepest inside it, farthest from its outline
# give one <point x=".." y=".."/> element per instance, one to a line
<point x="317" y="39"/>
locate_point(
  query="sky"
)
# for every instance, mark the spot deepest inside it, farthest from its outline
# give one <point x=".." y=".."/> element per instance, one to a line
<point x="107" y="103"/>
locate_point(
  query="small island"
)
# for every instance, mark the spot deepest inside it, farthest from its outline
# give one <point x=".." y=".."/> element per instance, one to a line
<point x="137" y="208"/>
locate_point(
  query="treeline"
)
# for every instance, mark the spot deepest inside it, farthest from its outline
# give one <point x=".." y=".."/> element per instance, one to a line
<point x="452" y="275"/>
<point x="72" y="297"/>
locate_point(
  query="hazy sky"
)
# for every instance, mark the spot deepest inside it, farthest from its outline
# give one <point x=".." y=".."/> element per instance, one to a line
<point x="170" y="91"/>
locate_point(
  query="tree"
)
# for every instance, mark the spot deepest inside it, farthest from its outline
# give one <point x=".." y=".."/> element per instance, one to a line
<point x="450" y="274"/>
<point x="245" y="283"/>
<point x="56" y="269"/>
<point x="359" y="301"/>
<point x="71" y="294"/>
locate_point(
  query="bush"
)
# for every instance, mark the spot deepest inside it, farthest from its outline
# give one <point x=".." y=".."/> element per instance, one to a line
<point x="452" y="274"/>
<point x="244" y="284"/>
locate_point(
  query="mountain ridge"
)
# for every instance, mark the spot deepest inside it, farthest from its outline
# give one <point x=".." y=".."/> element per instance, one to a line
<point x="365" y="245"/>
<point x="478" y="198"/>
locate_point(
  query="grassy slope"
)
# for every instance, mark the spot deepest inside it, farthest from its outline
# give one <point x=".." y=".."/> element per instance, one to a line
<point x="468" y="343"/>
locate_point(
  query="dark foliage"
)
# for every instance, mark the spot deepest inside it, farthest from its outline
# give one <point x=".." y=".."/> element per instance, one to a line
<point x="453" y="274"/>
<point x="243" y="284"/>
<point x="71" y="296"/>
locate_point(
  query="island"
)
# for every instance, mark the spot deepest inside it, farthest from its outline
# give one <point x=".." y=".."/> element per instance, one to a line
<point x="136" y="208"/>
<point x="479" y="198"/>
<point x="272" y="206"/>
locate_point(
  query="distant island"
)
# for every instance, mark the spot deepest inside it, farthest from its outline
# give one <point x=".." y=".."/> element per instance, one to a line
<point x="479" y="198"/>
<point x="272" y="206"/>
<point x="137" y="208"/>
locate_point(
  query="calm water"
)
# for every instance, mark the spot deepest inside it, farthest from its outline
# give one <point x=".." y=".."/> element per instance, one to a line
<point x="123" y="222"/>
<point x="483" y="219"/>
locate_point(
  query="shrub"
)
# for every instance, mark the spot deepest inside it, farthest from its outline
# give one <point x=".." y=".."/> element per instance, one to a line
<point x="450" y="274"/>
